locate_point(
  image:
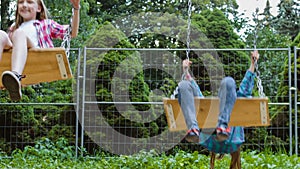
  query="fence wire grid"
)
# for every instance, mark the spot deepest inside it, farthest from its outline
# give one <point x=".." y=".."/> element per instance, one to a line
<point x="115" y="102"/>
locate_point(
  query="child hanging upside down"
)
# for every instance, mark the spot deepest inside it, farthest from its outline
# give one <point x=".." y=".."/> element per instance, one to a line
<point x="227" y="139"/>
<point x="31" y="29"/>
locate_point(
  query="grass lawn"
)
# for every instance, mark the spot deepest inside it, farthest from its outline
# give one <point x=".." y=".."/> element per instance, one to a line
<point x="59" y="155"/>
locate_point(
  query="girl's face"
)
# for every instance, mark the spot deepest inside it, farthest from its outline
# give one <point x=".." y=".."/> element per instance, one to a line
<point x="28" y="9"/>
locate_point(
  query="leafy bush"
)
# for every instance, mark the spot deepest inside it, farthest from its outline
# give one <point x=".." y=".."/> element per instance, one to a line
<point x="45" y="149"/>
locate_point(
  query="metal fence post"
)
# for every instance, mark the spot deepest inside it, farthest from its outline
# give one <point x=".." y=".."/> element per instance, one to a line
<point x="290" y="104"/>
<point x="77" y="101"/>
<point x="296" y="100"/>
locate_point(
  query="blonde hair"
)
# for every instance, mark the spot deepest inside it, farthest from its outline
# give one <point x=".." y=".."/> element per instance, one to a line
<point x="44" y="14"/>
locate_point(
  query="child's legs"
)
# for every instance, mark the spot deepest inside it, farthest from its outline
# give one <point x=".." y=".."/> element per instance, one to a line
<point x="21" y="43"/>
<point x="5" y="42"/>
<point x="227" y="95"/>
<point x="186" y="94"/>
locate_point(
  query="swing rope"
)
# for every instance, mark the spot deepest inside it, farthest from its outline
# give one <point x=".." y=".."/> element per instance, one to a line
<point x="66" y="43"/>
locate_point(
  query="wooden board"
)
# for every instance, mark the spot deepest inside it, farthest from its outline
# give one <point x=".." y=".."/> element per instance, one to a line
<point x="246" y="112"/>
<point x="42" y="65"/>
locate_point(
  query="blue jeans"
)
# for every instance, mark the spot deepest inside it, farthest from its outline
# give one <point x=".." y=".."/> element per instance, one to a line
<point x="227" y="96"/>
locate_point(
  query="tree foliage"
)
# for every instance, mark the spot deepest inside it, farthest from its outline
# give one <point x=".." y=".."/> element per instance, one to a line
<point x="6" y="14"/>
<point x="287" y="21"/>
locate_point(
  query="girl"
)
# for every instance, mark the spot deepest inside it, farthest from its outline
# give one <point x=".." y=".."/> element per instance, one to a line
<point x="32" y="29"/>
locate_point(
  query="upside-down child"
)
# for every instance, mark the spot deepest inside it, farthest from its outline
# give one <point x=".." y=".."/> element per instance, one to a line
<point x="227" y="139"/>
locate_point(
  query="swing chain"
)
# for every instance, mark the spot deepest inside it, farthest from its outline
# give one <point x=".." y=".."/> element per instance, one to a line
<point x="188" y="39"/>
<point x="257" y="72"/>
<point x="66" y="43"/>
<point x="258" y="83"/>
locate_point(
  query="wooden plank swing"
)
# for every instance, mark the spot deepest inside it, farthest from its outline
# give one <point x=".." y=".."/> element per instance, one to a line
<point x="42" y="65"/>
<point x="246" y="112"/>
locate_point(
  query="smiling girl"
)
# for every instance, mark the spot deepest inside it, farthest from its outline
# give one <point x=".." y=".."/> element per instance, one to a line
<point x="32" y="29"/>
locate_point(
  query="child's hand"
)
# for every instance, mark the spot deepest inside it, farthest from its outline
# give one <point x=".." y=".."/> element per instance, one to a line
<point x="186" y="64"/>
<point x="75" y="3"/>
<point x="254" y="56"/>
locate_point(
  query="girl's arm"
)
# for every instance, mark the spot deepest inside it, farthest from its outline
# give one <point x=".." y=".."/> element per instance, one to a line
<point x="247" y="84"/>
<point x="76" y="17"/>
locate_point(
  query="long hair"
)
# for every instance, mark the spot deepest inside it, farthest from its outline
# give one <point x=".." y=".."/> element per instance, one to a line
<point x="44" y="14"/>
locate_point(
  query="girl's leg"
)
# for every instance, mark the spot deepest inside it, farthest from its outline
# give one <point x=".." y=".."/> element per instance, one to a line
<point x="11" y="79"/>
<point x="21" y="43"/>
<point x="5" y="42"/>
<point x="227" y="96"/>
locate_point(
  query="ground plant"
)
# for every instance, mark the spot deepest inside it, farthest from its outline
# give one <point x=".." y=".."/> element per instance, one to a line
<point x="47" y="154"/>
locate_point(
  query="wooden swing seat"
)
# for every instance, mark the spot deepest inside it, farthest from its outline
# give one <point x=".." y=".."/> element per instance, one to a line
<point x="42" y="65"/>
<point x="246" y="112"/>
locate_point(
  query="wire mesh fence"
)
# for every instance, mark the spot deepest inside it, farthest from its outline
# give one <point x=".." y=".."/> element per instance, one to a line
<point x="115" y="102"/>
<point x="123" y="110"/>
